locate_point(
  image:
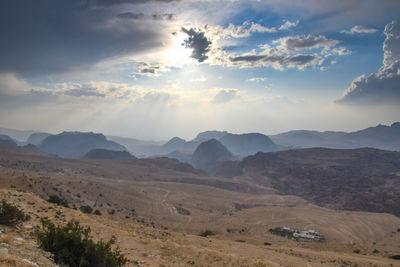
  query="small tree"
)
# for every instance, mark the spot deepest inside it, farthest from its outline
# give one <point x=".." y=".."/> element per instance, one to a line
<point x="86" y="209"/>
<point x="58" y="200"/>
<point x="10" y="214"/>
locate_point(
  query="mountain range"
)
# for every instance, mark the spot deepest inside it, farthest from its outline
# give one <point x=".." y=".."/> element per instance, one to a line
<point x="242" y="145"/>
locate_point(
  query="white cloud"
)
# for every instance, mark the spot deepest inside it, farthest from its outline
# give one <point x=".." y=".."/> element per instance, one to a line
<point x="391" y="46"/>
<point x="202" y="78"/>
<point x="359" y="29"/>
<point x="257" y="79"/>
<point x="288" y="24"/>
<point x="384" y="86"/>
<point x="10" y="83"/>
<point x="225" y="95"/>
<point x="237" y="31"/>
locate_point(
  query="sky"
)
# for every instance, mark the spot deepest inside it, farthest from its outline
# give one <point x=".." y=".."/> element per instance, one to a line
<point x="154" y="69"/>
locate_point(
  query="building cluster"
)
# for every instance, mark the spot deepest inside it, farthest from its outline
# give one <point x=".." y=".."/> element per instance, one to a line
<point x="309" y="235"/>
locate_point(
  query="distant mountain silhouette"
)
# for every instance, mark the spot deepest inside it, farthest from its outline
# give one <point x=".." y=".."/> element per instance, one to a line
<point x="248" y="144"/>
<point x="6" y="140"/>
<point x="381" y="137"/>
<point x="76" y="144"/>
<point x="207" y="135"/>
<point x="182" y="156"/>
<point x="353" y="179"/>
<point x="37" y="138"/>
<point x="100" y="153"/>
<point x="239" y="144"/>
<point x="175" y="143"/>
<point x="17" y="135"/>
<point x="209" y="154"/>
<point x="139" y="148"/>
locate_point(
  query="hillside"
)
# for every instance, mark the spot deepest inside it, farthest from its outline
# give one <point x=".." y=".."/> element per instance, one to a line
<point x="380" y="137"/>
<point x="209" y="154"/>
<point x="76" y="144"/>
<point x="156" y="219"/>
<point x="6" y="140"/>
<point x="248" y="144"/>
<point x="359" y="179"/>
<point x="37" y="138"/>
<point x="100" y="153"/>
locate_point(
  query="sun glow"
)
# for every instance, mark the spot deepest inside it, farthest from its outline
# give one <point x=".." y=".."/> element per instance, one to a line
<point x="178" y="55"/>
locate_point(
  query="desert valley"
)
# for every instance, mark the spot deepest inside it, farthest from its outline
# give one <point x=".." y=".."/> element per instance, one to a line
<point x="200" y="133"/>
<point x="164" y="212"/>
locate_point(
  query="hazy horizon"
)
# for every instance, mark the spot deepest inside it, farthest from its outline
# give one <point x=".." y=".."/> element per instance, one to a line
<point x="157" y="69"/>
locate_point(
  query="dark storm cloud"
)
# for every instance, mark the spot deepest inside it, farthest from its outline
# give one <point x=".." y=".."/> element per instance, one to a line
<point x="198" y="42"/>
<point x="119" y="2"/>
<point x="132" y="15"/>
<point x="278" y="61"/>
<point x="251" y="58"/>
<point x="52" y="36"/>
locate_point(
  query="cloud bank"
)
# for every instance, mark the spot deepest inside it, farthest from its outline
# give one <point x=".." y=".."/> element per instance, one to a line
<point x="382" y="87"/>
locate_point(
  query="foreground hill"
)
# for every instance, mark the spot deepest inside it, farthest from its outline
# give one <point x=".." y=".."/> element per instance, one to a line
<point x="76" y="144"/>
<point x="359" y="179"/>
<point x="100" y="153"/>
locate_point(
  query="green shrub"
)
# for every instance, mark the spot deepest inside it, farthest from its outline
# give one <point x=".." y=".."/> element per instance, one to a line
<point x="86" y="209"/>
<point x="207" y="233"/>
<point x="97" y="212"/>
<point x="10" y="214"/>
<point x="182" y="211"/>
<point x="71" y="244"/>
<point x="58" y="200"/>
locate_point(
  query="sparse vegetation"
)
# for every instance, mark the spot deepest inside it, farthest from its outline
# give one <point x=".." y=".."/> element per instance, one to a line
<point x="72" y="245"/>
<point x="182" y="211"/>
<point x="86" y="209"/>
<point x="111" y="212"/>
<point x="207" y="233"/>
<point x="357" y="251"/>
<point x="97" y="212"/>
<point x="58" y="200"/>
<point x="10" y="214"/>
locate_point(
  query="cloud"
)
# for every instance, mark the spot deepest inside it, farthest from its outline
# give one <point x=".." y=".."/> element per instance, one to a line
<point x="10" y="83"/>
<point x="198" y="42"/>
<point x="108" y="3"/>
<point x="148" y="69"/>
<point x="295" y="43"/>
<point x="277" y="59"/>
<point x="237" y="31"/>
<point x="257" y="79"/>
<point x="391" y="45"/>
<point x="382" y="87"/>
<point x="288" y="24"/>
<point x="359" y="29"/>
<point x="200" y="79"/>
<point x="225" y="95"/>
<point x="50" y="37"/>
<point x="130" y="15"/>
<point x="140" y="15"/>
